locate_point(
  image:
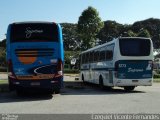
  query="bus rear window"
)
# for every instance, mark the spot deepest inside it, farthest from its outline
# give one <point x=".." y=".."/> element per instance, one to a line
<point x="40" y="32"/>
<point x="135" y="47"/>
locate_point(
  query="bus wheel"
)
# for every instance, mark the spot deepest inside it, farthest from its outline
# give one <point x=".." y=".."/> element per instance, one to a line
<point x="57" y="91"/>
<point x="83" y="79"/>
<point x="129" y="88"/>
<point x="101" y="85"/>
<point x="11" y="86"/>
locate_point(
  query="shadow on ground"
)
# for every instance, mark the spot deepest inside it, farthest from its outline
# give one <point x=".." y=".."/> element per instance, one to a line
<point x="13" y="97"/>
<point x="80" y="88"/>
<point x="70" y="88"/>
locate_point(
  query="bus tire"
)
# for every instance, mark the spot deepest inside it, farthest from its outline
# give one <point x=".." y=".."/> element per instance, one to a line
<point x="129" y="88"/>
<point x="101" y="85"/>
<point x="83" y="78"/>
<point x="10" y="84"/>
<point x="57" y="91"/>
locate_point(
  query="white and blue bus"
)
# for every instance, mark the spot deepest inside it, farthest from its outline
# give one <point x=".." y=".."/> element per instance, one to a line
<point x="35" y="56"/>
<point x="125" y="62"/>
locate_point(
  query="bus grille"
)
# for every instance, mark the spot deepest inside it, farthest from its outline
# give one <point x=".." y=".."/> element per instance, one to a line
<point x="34" y="52"/>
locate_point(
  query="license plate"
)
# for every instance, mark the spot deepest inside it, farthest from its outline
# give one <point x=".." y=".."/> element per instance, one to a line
<point x="35" y="83"/>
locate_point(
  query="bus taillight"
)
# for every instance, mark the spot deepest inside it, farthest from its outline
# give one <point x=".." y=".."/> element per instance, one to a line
<point x="10" y="66"/>
<point x="60" y="67"/>
<point x="10" y="69"/>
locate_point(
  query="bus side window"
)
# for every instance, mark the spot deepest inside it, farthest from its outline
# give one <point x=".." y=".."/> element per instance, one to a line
<point x="102" y="55"/>
<point x="109" y="52"/>
<point x="86" y="57"/>
<point x="80" y="59"/>
<point x="96" y="56"/>
<point x="83" y="58"/>
<point x="91" y="56"/>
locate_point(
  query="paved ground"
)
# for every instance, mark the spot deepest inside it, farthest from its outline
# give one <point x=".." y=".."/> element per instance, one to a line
<point x="82" y="99"/>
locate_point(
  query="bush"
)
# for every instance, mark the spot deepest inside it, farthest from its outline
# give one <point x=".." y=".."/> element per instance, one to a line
<point x="67" y="66"/>
<point x="69" y="54"/>
<point x="74" y="71"/>
<point x="158" y="71"/>
<point x="156" y="76"/>
<point x="3" y="69"/>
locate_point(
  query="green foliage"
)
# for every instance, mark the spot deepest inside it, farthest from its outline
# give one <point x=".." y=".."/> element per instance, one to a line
<point x="70" y="37"/>
<point x="2" y="57"/>
<point x="152" y="26"/>
<point x="144" y="33"/>
<point x="74" y="71"/>
<point x="89" y="25"/>
<point x="67" y="66"/>
<point x="3" y="69"/>
<point x="85" y="32"/>
<point x="131" y="33"/>
<point x="3" y="43"/>
<point x="3" y="53"/>
<point x="156" y="76"/>
<point x="146" y="28"/>
<point x="68" y="55"/>
<point x="158" y="71"/>
<point x="111" y="30"/>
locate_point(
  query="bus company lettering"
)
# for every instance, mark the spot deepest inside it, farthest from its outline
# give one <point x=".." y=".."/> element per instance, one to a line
<point x="29" y="32"/>
<point x="135" y="70"/>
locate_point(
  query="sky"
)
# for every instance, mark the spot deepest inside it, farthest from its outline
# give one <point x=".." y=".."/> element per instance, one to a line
<point x="59" y="11"/>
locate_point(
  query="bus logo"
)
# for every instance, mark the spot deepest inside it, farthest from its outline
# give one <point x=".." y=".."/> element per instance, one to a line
<point x="122" y="65"/>
<point x="149" y="67"/>
<point x="29" y="32"/>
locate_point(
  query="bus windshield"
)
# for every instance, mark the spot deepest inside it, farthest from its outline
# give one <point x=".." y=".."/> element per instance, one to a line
<point x="135" y="47"/>
<point x="38" y="32"/>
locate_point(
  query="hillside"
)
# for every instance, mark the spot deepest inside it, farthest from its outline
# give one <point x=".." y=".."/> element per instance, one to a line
<point x="145" y="28"/>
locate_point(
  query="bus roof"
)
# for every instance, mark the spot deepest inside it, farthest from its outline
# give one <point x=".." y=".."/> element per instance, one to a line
<point x="27" y="22"/>
<point x="99" y="46"/>
<point x="113" y="41"/>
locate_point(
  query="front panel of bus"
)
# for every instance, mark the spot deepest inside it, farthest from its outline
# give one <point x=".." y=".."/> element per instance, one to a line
<point x="35" y="55"/>
<point x="134" y="64"/>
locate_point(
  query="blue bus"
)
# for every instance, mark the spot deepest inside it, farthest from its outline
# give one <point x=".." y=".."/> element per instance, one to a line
<point x="125" y="62"/>
<point x="35" y="56"/>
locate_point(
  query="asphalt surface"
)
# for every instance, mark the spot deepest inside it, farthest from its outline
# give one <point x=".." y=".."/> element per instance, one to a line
<point x="77" y="98"/>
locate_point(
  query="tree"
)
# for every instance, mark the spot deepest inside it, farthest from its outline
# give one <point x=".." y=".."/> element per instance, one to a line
<point x="3" y="43"/>
<point x="2" y="56"/>
<point x="70" y="36"/>
<point x="144" y="33"/>
<point x="152" y="25"/>
<point x="89" y="25"/>
<point x="3" y="53"/>
<point x="111" y="30"/>
<point x="129" y="33"/>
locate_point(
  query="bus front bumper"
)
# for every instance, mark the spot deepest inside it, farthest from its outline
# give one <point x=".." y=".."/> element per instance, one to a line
<point x="51" y="84"/>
